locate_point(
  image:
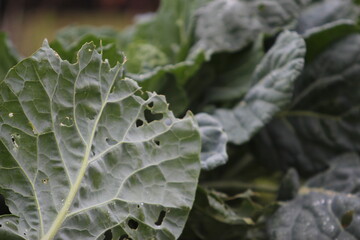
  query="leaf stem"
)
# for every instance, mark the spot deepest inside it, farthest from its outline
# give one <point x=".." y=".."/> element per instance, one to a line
<point x="237" y="185"/>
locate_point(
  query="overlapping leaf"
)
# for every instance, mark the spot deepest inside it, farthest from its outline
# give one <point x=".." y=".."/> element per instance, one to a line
<point x="82" y="152"/>
<point x="273" y="85"/>
<point x="230" y="25"/>
<point x="323" y="121"/>
<point x="213" y="141"/>
<point x="327" y="208"/>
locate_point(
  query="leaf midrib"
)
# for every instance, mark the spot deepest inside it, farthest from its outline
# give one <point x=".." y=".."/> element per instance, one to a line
<point x="62" y="215"/>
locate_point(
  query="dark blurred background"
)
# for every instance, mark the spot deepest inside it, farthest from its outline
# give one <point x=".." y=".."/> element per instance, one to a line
<point x="28" y="22"/>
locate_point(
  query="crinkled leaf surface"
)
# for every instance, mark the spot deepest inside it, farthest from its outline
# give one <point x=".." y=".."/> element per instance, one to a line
<point x="213" y="141"/>
<point x="80" y="153"/>
<point x="323" y="120"/>
<point x="224" y="25"/>
<point x="317" y="215"/>
<point x="230" y="25"/>
<point x="8" y="55"/>
<point x="327" y="208"/>
<point x="274" y="79"/>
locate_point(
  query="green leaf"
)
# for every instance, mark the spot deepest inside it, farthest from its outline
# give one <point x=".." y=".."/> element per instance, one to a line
<point x="170" y="80"/>
<point x="8" y="55"/>
<point x="320" y="38"/>
<point x="274" y="79"/>
<point x="213" y="142"/>
<point x="317" y="215"/>
<point x="82" y="151"/>
<point x="342" y="175"/>
<point x="231" y="25"/>
<point x="327" y="208"/>
<point x="236" y="79"/>
<point x="224" y="25"/>
<point x="323" y="12"/>
<point x="70" y="39"/>
<point x="323" y="120"/>
<point x="170" y="29"/>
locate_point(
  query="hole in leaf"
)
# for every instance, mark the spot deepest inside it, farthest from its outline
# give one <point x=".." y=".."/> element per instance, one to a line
<point x="139" y="123"/>
<point x="110" y="141"/>
<point x="157" y="142"/>
<point x="160" y="218"/>
<point x="3" y="208"/>
<point x="93" y="151"/>
<point x="138" y="206"/>
<point x="133" y="224"/>
<point x="91" y="116"/>
<point x="13" y="140"/>
<point x="347" y="218"/>
<point x="149" y="116"/>
<point x="151" y="104"/>
<point x="124" y="237"/>
<point x="0" y="225"/>
<point x="108" y="235"/>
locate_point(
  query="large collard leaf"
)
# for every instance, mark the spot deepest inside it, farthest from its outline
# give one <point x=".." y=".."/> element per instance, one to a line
<point x="274" y="79"/>
<point x="323" y="120"/>
<point x="230" y="25"/>
<point x="327" y="208"/>
<point x="213" y="142"/>
<point x="8" y="55"/>
<point x="81" y="153"/>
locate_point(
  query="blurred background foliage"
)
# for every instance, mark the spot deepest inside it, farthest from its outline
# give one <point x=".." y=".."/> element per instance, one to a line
<point x="28" y="22"/>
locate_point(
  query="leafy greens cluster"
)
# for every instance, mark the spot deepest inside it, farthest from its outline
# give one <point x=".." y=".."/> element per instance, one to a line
<point x="89" y="150"/>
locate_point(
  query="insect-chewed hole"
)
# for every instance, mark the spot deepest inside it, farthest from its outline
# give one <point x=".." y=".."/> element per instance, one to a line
<point x="110" y="141"/>
<point x="149" y="116"/>
<point x="124" y="237"/>
<point x="151" y="104"/>
<point x="3" y="208"/>
<point x="108" y="235"/>
<point x="347" y="218"/>
<point x="133" y="224"/>
<point x="93" y="151"/>
<point x="161" y="217"/>
<point x="0" y="225"/>
<point x="139" y="122"/>
<point x="157" y="142"/>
